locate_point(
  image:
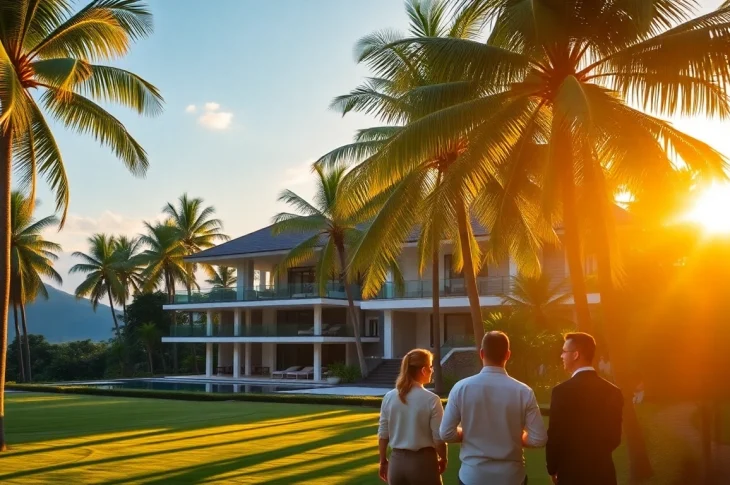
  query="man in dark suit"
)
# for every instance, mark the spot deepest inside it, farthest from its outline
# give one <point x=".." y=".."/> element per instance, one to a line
<point x="585" y="420"/>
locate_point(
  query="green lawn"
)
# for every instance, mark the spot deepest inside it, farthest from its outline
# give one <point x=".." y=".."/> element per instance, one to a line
<point x="93" y="440"/>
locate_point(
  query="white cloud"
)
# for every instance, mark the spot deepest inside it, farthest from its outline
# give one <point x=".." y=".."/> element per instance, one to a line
<point x="191" y="108"/>
<point x="213" y="118"/>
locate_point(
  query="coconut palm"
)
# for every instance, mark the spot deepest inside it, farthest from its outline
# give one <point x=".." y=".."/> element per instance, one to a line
<point x="31" y="258"/>
<point x="129" y="268"/>
<point x="561" y="73"/>
<point x="223" y="278"/>
<point x="47" y="58"/>
<point x="330" y="232"/>
<point x="102" y="280"/>
<point x="163" y="259"/>
<point x="402" y="95"/>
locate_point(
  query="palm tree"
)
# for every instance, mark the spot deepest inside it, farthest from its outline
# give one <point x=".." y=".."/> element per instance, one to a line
<point x="330" y="232"/>
<point x="149" y="336"/>
<point x="129" y="268"/>
<point x="402" y="95"/>
<point x="223" y="278"/>
<point x="540" y="301"/>
<point x="163" y="259"/>
<point x="31" y="257"/>
<point x="102" y="279"/>
<point x="560" y="73"/>
<point x="45" y="47"/>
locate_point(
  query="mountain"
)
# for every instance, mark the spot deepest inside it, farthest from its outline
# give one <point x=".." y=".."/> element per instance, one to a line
<point x="63" y="318"/>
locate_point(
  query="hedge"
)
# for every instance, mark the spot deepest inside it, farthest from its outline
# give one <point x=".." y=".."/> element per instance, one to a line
<point x="361" y="401"/>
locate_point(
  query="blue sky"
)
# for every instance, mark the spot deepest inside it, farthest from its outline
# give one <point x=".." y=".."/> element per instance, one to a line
<point x="267" y="71"/>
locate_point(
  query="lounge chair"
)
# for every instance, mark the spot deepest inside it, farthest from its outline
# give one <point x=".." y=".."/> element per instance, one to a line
<point x="305" y="373"/>
<point x="309" y="331"/>
<point x="282" y="373"/>
<point x="332" y="331"/>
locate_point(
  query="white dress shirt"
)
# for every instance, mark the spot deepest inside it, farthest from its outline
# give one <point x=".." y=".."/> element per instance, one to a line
<point x="414" y="425"/>
<point x="493" y="409"/>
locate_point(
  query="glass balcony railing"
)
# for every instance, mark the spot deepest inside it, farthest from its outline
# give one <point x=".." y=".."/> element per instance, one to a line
<point x="271" y="292"/>
<point x="264" y="330"/>
<point x="486" y="286"/>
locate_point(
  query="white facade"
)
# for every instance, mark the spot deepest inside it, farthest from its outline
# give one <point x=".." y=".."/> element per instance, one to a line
<point x="272" y="321"/>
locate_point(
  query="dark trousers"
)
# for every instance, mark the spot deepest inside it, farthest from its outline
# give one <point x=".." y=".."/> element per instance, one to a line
<point x="523" y="483"/>
<point x="414" y="467"/>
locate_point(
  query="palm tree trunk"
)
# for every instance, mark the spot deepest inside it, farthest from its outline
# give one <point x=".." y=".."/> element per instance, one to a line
<point x="438" y="378"/>
<point x="149" y="359"/>
<point x="28" y="374"/>
<point x="571" y="239"/>
<point x="615" y="332"/>
<point x="354" y="320"/>
<point x="19" y="340"/>
<point x="114" y="316"/>
<point x="6" y="166"/>
<point x="469" y="274"/>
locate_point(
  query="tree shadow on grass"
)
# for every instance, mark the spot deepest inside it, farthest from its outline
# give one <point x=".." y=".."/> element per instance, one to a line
<point x="202" y="472"/>
<point x="356" y="427"/>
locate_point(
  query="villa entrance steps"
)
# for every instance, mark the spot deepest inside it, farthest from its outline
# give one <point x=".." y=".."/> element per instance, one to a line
<point x="384" y="375"/>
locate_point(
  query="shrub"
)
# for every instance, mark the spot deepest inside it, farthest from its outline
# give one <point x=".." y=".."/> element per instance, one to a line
<point x="346" y="373"/>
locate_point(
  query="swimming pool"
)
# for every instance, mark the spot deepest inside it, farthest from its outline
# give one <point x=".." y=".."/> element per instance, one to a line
<point x="160" y="385"/>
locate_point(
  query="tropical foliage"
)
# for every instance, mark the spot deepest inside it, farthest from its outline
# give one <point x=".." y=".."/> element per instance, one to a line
<point x="48" y="60"/>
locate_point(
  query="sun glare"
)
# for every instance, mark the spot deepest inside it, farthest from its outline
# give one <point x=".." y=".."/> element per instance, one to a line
<point x="712" y="209"/>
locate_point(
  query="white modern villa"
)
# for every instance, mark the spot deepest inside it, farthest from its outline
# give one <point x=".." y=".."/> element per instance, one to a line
<point x="272" y="322"/>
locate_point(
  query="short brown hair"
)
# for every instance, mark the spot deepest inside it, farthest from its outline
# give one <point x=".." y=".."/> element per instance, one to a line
<point x="495" y="345"/>
<point x="584" y="343"/>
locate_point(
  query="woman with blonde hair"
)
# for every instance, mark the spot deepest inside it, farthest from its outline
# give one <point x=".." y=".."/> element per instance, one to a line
<point x="410" y="417"/>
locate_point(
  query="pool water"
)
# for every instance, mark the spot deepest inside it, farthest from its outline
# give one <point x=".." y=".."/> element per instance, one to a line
<point x="197" y="386"/>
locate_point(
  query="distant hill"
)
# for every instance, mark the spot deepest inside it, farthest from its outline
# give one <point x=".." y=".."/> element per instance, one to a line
<point x="63" y="318"/>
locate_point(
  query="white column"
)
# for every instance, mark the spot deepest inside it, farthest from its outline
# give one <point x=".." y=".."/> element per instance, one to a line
<point x="237" y="322"/>
<point x="240" y="281"/>
<point x="388" y="334"/>
<point x="209" y="359"/>
<point x="512" y="267"/>
<point x="247" y="359"/>
<point x="317" y="362"/>
<point x="236" y="360"/>
<point x="209" y="387"/>
<point x="209" y="323"/>
<point x="317" y="319"/>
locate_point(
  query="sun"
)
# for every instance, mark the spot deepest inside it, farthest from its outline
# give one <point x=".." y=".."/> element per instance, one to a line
<point x="712" y="209"/>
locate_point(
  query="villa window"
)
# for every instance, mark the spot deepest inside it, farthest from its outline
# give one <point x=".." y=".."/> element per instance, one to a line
<point x="371" y="327"/>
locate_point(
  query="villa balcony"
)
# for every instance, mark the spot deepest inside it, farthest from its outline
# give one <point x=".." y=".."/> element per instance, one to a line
<point x="335" y="291"/>
<point x="451" y="287"/>
<point x="262" y="331"/>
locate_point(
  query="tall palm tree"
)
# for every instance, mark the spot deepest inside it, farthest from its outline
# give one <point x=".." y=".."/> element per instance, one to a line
<point x="223" y="278"/>
<point x="196" y="228"/>
<point x="561" y="73"/>
<point x="330" y="232"/>
<point x="46" y="48"/>
<point x="102" y="279"/>
<point x="149" y="335"/>
<point x="163" y="258"/>
<point x="31" y="258"/>
<point x="401" y="94"/>
<point x="129" y="268"/>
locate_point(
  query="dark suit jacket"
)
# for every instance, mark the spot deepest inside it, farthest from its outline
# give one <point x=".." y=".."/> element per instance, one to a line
<point x="584" y="429"/>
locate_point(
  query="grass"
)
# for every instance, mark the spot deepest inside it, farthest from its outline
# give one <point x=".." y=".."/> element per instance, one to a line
<point x="92" y="439"/>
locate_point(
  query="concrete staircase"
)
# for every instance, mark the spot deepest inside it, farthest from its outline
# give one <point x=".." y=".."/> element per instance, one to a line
<point x="383" y="375"/>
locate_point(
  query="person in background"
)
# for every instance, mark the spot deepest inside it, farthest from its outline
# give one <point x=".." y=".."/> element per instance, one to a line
<point x="493" y="416"/>
<point x="410" y="417"/>
<point x="585" y="419"/>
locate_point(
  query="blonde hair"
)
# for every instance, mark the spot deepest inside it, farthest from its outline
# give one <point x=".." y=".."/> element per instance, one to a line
<point x="412" y="363"/>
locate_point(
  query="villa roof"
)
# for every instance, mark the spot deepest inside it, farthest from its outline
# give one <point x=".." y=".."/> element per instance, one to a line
<point x="263" y="241"/>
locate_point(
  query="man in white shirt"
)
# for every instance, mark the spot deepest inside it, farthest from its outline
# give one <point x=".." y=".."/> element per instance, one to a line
<point x="493" y="416"/>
